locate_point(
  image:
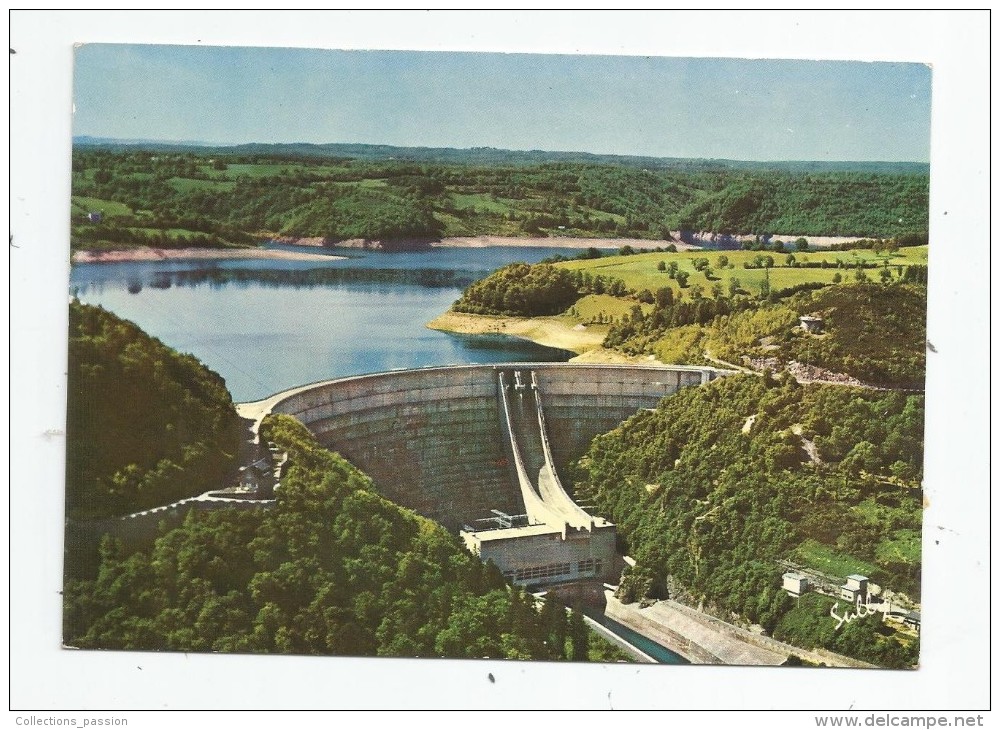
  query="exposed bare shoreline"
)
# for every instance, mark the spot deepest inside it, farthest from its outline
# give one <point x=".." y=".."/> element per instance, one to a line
<point x="639" y="244"/>
<point x="556" y="242"/>
<point x="703" y="238"/>
<point x="548" y="331"/>
<point x="114" y="256"/>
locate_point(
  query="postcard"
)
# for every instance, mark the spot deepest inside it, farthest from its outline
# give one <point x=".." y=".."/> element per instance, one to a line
<point x="627" y="368"/>
<point x="536" y="360"/>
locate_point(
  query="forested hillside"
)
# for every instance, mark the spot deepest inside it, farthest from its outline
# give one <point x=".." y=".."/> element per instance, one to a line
<point x="146" y="425"/>
<point x="873" y="332"/>
<point x="133" y="197"/>
<point x="720" y="482"/>
<point x="332" y="569"/>
<point x="698" y="307"/>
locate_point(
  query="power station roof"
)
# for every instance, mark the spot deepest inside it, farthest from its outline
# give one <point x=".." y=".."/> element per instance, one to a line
<point x="511" y="533"/>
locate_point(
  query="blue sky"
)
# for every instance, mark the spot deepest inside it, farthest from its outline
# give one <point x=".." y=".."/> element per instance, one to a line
<point x="670" y="107"/>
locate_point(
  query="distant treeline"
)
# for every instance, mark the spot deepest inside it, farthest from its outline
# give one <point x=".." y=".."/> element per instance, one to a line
<point x="161" y="234"/>
<point x="411" y="199"/>
<point x="285" y="152"/>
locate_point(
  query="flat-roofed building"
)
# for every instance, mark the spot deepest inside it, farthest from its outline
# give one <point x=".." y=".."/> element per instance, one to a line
<point x="544" y="554"/>
<point x="856" y="585"/>
<point x="795" y="584"/>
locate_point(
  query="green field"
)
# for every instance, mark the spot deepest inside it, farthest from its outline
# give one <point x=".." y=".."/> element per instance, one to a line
<point x="262" y="170"/>
<point x="640" y="270"/>
<point x="82" y="205"/>
<point x="187" y="184"/>
<point x="454" y="225"/>
<point x="902" y="546"/>
<point x="481" y="203"/>
<point x="826" y="559"/>
<point x="589" y="308"/>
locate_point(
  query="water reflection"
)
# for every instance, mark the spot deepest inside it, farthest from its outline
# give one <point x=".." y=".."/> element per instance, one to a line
<point x="268" y="325"/>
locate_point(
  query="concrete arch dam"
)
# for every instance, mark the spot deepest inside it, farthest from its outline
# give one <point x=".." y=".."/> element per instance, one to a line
<point x="471" y="446"/>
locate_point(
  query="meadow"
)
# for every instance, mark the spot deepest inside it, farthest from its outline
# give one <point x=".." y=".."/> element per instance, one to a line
<point x="730" y="268"/>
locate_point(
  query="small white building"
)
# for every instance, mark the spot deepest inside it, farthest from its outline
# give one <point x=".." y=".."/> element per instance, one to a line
<point x="795" y="584"/>
<point x="856" y="585"/>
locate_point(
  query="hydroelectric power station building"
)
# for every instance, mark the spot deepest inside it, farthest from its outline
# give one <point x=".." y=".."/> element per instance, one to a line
<point x="478" y="448"/>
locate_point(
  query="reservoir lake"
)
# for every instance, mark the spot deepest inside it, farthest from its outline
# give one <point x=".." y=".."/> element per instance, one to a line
<point x="266" y="325"/>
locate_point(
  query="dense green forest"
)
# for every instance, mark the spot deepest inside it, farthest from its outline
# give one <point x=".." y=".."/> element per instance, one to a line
<point x="523" y="290"/>
<point x="232" y="197"/>
<point x="873" y="332"/>
<point x="520" y="290"/>
<point x="868" y="639"/>
<point x="332" y="569"/>
<point x="719" y="482"/>
<point x="146" y="424"/>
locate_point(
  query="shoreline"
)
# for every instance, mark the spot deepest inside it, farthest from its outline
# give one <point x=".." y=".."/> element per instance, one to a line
<point x="117" y="256"/>
<point x="557" y="242"/>
<point x="125" y="255"/>
<point x="698" y="239"/>
<point x="547" y="331"/>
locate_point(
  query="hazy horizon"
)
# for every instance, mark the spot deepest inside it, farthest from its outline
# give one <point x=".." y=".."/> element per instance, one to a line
<point x="687" y="108"/>
<point x="210" y="144"/>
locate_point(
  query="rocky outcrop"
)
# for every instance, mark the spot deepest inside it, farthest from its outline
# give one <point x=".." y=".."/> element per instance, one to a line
<point x="318" y="241"/>
<point x="360" y="243"/>
<point x="390" y="245"/>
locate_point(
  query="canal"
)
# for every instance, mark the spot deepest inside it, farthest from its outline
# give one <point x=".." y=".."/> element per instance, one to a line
<point x="647" y="646"/>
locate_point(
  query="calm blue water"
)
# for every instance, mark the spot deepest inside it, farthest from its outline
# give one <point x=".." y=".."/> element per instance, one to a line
<point x="269" y="325"/>
<point x="484" y="260"/>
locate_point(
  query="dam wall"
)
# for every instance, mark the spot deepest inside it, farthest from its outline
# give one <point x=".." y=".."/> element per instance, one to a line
<point x="431" y="439"/>
<point x="586" y="400"/>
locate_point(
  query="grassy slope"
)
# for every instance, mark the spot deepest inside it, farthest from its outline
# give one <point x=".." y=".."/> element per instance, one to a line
<point x="82" y="205"/>
<point x="863" y="325"/>
<point x="640" y="271"/>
